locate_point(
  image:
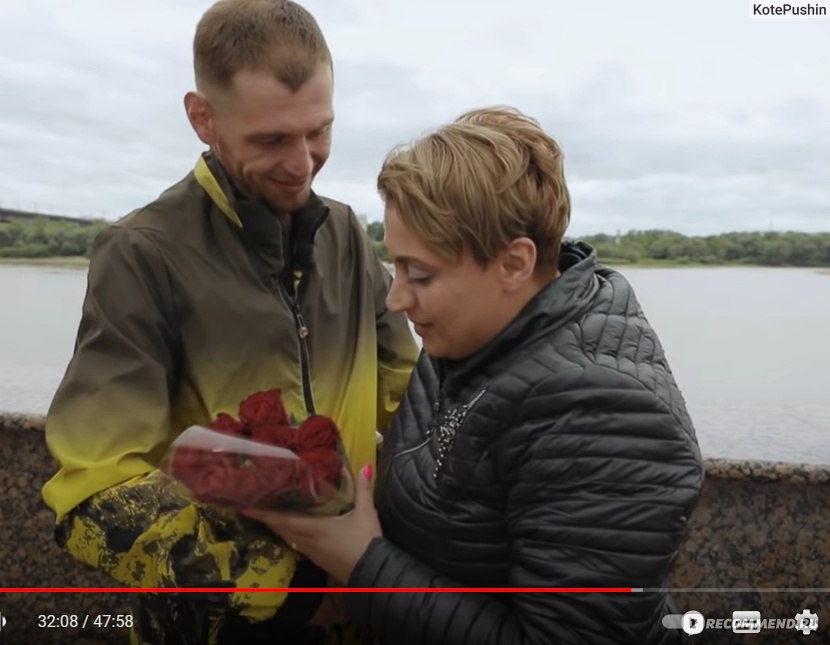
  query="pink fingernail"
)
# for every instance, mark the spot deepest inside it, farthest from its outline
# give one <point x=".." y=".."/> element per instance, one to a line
<point x="366" y="471"/>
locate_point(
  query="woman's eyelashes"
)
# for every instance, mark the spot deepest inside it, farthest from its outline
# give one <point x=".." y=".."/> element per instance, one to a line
<point x="419" y="279"/>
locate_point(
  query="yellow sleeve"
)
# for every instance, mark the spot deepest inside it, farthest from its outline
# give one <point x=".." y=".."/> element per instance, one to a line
<point x="110" y="419"/>
<point x="397" y="351"/>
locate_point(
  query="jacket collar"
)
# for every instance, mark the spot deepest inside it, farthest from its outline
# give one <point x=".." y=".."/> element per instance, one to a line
<point x="560" y="301"/>
<point x="260" y="228"/>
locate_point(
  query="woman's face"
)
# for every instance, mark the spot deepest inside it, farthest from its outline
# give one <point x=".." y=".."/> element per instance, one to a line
<point x="456" y="306"/>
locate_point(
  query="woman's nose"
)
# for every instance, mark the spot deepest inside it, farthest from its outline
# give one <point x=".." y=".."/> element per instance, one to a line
<point x="398" y="298"/>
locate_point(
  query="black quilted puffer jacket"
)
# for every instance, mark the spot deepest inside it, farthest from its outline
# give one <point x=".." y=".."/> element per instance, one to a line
<point x="560" y="455"/>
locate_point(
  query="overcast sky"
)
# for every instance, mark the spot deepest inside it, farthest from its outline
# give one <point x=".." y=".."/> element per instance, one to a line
<point x="691" y="116"/>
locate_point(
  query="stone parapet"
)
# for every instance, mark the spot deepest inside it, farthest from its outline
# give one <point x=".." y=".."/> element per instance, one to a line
<point x="758" y="540"/>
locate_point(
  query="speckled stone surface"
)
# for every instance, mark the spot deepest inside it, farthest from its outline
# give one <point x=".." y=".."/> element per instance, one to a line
<point x="758" y="540"/>
<point x="29" y="556"/>
<point x="759" y="526"/>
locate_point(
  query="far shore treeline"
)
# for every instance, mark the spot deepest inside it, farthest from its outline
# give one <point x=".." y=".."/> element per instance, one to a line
<point x="47" y="237"/>
<point x="667" y="248"/>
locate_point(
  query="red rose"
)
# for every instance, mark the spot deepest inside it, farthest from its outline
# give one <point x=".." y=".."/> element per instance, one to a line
<point x="325" y="466"/>
<point x="316" y="433"/>
<point x="246" y="479"/>
<point x="318" y="474"/>
<point x="282" y="436"/>
<point x="226" y="424"/>
<point x="276" y="474"/>
<point x="283" y="483"/>
<point x="263" y="409"/>
<point x="184" y="461"/>
<point x="209" y="475"/>
<point x="248" y="489"/>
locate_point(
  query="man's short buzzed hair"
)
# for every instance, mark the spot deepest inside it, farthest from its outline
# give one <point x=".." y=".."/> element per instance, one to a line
<point x="277" y="36"/>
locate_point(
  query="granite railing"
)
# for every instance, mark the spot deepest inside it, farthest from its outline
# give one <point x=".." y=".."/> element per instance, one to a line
<point x="758" y="540"/>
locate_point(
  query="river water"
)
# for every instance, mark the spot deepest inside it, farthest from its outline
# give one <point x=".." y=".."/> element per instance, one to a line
<point x="750" y="348"/>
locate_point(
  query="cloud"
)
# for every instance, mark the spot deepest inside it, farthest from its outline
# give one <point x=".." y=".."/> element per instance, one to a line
<point x="696" y="117"/>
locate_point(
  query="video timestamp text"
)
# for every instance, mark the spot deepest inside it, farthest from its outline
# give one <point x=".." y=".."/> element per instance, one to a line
<point x="84" y="621"/>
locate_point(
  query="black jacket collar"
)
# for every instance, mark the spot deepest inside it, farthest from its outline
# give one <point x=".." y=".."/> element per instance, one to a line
<point x="262" y="232"/>
<point x="560" y="301"/>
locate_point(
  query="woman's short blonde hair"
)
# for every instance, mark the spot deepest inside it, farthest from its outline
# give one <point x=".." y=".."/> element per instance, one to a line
<point x="491" y="176"/>
<point x="278" y="36"/>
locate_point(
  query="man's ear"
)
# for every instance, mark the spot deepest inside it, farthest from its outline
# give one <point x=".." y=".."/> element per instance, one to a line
<point x="518" y="263"/>
<point x="200" y="115"/>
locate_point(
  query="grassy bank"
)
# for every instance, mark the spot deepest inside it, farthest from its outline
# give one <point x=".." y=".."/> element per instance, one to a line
<point x="67" y="261"/>
<point x="674" y="264"/>
<point x="645" y="263"/>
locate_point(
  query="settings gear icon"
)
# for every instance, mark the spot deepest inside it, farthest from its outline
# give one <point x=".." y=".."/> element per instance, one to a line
<point x="806" y="622"/>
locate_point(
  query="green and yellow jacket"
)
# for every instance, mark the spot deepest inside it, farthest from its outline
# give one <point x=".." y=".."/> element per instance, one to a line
<point x="194" y="302"/>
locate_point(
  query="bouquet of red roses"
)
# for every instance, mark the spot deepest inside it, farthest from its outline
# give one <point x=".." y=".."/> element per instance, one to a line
<point x="264" y="460"/>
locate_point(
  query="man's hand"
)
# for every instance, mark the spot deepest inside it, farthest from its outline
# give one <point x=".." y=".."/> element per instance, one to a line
<point x="334" y="544"/>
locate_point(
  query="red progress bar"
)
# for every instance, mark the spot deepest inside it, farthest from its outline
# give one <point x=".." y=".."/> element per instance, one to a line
<point x="315" y="590"/>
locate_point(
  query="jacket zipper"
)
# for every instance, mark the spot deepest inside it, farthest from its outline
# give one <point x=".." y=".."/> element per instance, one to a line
<point x="299" y="321"/>
<point x="436" y="406"/>
<point x="302" y="337"/>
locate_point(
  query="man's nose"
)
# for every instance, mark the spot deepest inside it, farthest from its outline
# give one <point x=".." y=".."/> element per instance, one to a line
<point x="300" y="163"/>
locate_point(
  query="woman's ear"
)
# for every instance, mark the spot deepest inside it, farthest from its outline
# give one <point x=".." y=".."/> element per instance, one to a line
<point x="518" y="263"/>
<point x="199" y="114"/>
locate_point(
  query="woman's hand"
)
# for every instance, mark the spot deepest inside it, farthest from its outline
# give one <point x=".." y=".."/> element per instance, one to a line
<point x="334" y="544"/>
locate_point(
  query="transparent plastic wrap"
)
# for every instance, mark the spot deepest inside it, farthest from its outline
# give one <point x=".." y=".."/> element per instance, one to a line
<point x="264" y="461"/>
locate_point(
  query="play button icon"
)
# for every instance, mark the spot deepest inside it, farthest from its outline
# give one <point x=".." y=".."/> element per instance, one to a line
<point x="693" y="622"/>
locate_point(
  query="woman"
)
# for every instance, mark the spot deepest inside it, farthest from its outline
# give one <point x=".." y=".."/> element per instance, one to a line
<point x="542" y="441"/>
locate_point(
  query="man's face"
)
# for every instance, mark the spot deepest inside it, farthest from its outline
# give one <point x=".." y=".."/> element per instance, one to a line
<point x="273" y="141"/>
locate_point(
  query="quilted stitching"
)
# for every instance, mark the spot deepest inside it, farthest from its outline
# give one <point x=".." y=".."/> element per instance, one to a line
<point x="577" y="467"/>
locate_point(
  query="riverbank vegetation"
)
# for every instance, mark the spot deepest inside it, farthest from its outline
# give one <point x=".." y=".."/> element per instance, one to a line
<point x="667" y="248"/>
<point x="46" y="239"/>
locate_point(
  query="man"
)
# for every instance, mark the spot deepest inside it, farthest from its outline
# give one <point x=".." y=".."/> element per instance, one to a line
<point x="236" y="279"/>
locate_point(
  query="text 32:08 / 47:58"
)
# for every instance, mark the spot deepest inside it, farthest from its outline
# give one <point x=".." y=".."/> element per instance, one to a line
<point x="84" y="621"/>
